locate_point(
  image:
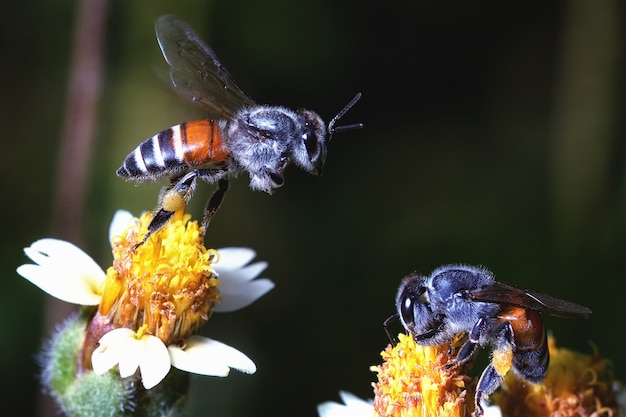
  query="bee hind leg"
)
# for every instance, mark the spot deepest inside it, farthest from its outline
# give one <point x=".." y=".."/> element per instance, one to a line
<point x="501" y="361"/>
<point x="173" y="199"/>
<point x="489" y="381"/>
<point x="158" y="221"/>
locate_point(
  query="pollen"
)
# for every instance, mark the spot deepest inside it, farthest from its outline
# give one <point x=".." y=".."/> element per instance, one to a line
<point x="576" y="384"/>
<point x="166" y="286"/>
<point x="501" y="359"/>
<point x="414" y="381"/>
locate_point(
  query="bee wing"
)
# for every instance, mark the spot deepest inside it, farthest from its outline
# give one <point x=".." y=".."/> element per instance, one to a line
<point x="195" y="71"/>
<point x="498" y="292"/>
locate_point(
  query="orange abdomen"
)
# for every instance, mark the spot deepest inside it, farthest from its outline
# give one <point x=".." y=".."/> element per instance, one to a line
<point x="175" y="150"/>
<point x="201" y="142"/>
<point x="528" y="331"/>
<point x="530" y="352"/>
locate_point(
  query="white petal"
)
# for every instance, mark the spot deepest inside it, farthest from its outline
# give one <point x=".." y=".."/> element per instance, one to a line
<point x="234" y="258"/>
<point x="112" y="350"/>
<point x="122" y="219"/>
<point x="237" y="295"/>
<point x="155" y="364"/>
<point x="102" y="360"/>
<point x="130" y="355"/>
<point x="244" y="273"/>
<point x="351" y="400"/>
<point x="209" y="357"/>
<point x="354" y="407"/>
<point x="121" y="347"/>
<point x="333" y="409"/>
<point x="64" y="271"/>
<point x="238" y="286"/>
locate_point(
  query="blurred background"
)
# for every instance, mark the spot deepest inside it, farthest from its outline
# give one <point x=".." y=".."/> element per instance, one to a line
<point x="494" y="135"/>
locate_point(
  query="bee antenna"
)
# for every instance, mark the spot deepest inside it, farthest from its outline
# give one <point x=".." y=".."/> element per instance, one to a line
<point x="331" y="126"/>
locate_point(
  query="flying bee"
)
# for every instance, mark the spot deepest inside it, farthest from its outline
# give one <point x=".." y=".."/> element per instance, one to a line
<point x="240" y="135"/>
<point x="461" y="299"/>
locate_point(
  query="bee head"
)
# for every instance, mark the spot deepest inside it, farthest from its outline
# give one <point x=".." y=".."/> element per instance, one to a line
<point x="415" y="312"/>
<point x="310" y="153"/>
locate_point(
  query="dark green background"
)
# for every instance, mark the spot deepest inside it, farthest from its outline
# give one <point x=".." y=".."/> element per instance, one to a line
<point x="493" y="135"/>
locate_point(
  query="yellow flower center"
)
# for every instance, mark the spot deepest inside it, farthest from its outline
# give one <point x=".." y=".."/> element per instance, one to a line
<point x="166" y="286"/>
<point x="413" y="381"/>
<point x="576" y="385"/>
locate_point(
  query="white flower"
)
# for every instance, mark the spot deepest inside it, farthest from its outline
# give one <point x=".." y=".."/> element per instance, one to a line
<point x="352" y="406"/>
<point x="64" y="271"/>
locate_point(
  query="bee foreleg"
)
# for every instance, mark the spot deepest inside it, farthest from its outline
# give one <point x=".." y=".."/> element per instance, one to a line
<point x="392" y="339"/>
<point x="276" y="177"/>
<point x="267" y="179"/>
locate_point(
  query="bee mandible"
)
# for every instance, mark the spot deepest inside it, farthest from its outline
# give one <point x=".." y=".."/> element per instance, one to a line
<point x="462" y="299"/>
<point x="239" y="135"/>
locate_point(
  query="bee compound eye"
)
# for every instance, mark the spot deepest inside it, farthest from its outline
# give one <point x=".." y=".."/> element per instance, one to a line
<point x="406" y="308"/>
<point x="310" y="142"/>
<point x="313" y="136"/>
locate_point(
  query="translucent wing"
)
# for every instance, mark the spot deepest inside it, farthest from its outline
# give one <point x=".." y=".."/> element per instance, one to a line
<point x="500" y="293"/>
<point x="195" y="71"/>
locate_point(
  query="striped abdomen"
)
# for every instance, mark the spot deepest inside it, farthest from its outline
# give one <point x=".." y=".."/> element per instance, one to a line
<point x="530" y="354"/>
<point x="177" y="149"/>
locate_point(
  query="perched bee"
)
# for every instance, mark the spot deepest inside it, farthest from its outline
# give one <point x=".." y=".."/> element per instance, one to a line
<point x="460" y="299"/>
<point x="239" y="135"/>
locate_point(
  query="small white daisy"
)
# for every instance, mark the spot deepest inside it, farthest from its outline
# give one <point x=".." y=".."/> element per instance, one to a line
<point x="181" y="283"/>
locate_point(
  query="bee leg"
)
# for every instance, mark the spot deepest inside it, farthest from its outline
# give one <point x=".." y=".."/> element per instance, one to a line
<point x="214" y="203"/>
<point x="172" y="199"/>
<point x="468" y="349"/>
<point x="489" y="381"/>
<point x="276" y="177"/>
<point x="458" y="340"/>
<point x="479" y="328"/>
<point x="158" y="221"/>
<point x="175" y="197"/>
<point x="267" y="179"/>
<point x="501" y="360"/>
<point x="466" y="353"/>
<point x="392" y="339"/>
